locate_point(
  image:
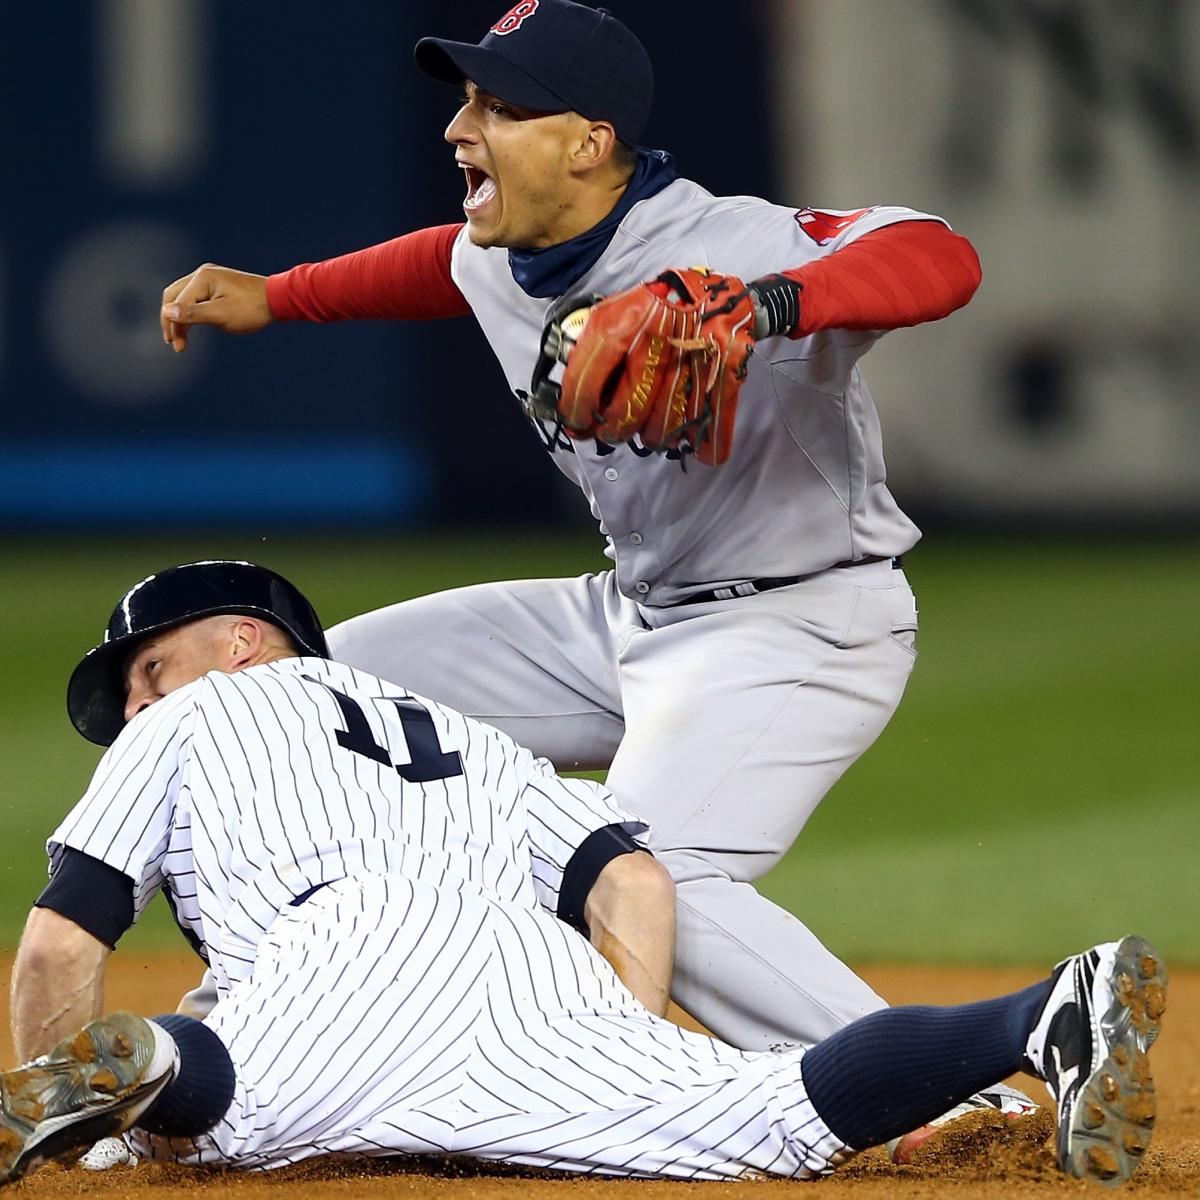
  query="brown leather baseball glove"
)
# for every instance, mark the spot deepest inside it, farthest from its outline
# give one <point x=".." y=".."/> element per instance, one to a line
<point x="663" y="360"/>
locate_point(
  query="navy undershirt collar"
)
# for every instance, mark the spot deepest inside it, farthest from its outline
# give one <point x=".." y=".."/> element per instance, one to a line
<point x="553" y="270"/>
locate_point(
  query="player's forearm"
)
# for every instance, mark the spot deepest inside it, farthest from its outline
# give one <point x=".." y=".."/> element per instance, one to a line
<point x="407" y="278"/>
<point x="630" y="913"/>
<point x="901" y="275"/>
<point x="57" y="983"/>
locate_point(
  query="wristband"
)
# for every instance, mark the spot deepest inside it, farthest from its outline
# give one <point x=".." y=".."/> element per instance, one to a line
<point x="776" y="300"/>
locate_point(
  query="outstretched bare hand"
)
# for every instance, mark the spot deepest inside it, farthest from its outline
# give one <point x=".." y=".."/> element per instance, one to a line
<point x="235" y="301"/>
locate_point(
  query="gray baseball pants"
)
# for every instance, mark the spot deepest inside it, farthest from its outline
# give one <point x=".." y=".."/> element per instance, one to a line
<point x="721" y="724"/>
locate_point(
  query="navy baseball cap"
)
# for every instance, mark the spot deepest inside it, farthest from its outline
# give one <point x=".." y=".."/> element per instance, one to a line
<point x="554" y="56"/>
<point x="96" y="692"/>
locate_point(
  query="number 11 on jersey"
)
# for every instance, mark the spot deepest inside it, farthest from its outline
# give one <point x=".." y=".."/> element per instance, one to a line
<point x="429" y="761"/>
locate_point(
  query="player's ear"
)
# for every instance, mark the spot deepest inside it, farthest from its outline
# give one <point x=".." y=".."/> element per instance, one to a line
<point x="595" y="146"/>
<point x="244" y="642"/>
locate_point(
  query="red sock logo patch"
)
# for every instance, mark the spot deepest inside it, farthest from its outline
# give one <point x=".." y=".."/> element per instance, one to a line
<point x="514" y="17"/>
<point x="823" y="226"/>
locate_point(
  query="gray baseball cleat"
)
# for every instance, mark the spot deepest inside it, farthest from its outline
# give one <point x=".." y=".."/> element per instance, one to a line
<point x="1089" y="1044"/>
<point x="90" y="1086"/>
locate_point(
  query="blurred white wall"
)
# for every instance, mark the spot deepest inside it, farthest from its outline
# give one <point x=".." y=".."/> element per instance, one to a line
<point x="1063" y="138"/>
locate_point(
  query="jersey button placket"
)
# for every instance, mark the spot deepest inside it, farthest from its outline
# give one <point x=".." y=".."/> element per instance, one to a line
<point x="611" y="474"/>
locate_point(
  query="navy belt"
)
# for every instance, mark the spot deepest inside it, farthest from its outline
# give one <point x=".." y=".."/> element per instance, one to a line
<point x="296" y="901"/>
<point x="753" y="586"/>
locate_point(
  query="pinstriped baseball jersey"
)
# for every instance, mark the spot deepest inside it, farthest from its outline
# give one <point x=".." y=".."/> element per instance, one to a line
<point x="424" y="999"/>
<point x="805" y="485"/>
<point x="238" y="793"/>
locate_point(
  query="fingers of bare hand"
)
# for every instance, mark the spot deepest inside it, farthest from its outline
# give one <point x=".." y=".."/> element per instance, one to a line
<point x="182" y="297"/>
<point x="168" y="311"/>
<point x="178" y="299"/>
<point x="174" y="332"/>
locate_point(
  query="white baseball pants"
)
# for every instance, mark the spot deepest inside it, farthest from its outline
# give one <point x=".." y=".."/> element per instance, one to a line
<point x="388" y="1017"/>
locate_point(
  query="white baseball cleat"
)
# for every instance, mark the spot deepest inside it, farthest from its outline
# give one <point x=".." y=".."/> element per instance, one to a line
<point x="1089" y="1044"/>
<point x="90" y="1086"/>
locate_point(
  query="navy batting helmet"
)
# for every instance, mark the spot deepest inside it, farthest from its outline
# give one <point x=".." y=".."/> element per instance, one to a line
<point x="96" y="693"/>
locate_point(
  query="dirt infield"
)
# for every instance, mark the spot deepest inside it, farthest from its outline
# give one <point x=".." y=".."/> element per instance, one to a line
<point x="985" y="1163"/>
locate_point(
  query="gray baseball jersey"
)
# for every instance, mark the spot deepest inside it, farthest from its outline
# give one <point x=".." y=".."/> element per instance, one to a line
<point x="804" y="487"/>
<point x="723" y="723"/>
<point x="370" y="876"/>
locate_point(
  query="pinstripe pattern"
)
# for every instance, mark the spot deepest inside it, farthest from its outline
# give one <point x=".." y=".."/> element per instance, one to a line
<point x="426" y="1000"/>
<point x="389" y="1016"/>
<point x="234" y="794"/>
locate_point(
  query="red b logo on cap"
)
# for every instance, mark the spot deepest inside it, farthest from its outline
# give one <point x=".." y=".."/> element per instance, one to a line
<point x="515" y="15"/>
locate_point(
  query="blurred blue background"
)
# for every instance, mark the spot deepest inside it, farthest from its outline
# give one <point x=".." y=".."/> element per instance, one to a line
<point x="156" y="134"/>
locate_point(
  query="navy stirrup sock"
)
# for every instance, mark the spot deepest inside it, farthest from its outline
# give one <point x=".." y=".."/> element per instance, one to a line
<point x="202" y="1090"/>
<point x="894" y="1070"/>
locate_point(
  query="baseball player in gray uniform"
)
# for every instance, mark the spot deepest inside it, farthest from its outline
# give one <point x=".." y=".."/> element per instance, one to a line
<point x="417" y="948"/>
<point x="757" y="630"/>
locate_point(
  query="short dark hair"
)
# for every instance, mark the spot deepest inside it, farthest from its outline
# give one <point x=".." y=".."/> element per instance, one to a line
<point x="625" y="158"/>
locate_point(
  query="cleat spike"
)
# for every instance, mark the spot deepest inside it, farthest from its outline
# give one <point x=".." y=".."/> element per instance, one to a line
<point x="1102" y="1163"/>
<point x="1156" y="1002"/>
<point x="1132" y="1144"/>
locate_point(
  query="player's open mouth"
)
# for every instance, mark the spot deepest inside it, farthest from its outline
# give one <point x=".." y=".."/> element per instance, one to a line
<point x="480" y="189"/>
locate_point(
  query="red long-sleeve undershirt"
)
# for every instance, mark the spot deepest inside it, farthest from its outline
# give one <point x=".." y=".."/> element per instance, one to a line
<point x="900" y="275"/>
<point x="406" y="279"/>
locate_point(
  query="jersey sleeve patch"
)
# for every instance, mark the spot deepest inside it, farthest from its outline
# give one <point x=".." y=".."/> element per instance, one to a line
<point x="823" y="225"/>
